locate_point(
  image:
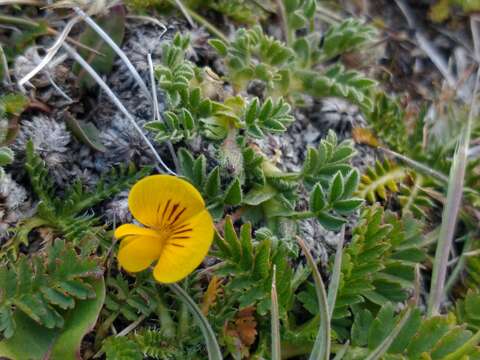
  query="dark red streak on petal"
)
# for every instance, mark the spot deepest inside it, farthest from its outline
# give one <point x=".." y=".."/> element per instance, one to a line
<point x="165" y="210"/>
<point x="181" y="231"/>
<point x="174" y="208"/>
<point x="177" y="245"/>
<point x="180" y="227"/>
<point x="177" y="216"/>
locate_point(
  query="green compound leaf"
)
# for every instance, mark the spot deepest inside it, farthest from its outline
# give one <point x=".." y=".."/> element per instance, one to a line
<point x="34" y="342"/>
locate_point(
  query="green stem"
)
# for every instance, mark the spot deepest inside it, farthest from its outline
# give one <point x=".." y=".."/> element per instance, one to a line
<point x="290" y="350"/>
<point x="301" y="215"/>
<point x="166" y="322"/>
<point x="14" y="20"/>
<point x="337" y="271"/>
<point x="275" y="321"/>
<point x="284" y="22"/>
<point x="321" y="347"/>
<point x="102" y="331"/>
<point x="183" y="321"/>
<point x="213" y="349"/>
<point x="460" y="264"/>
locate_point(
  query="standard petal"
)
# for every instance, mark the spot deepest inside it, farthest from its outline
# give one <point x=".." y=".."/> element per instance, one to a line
<point x="185" y="249"/>
<point x="160" y="200"/>
<point x="139" y="252"/>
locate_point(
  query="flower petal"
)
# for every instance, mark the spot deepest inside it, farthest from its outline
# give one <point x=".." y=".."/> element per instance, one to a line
<point x="139" y="252"/>
<point x="132" y="229"/>
<point x="185" y="249"/>
<point x="158" y="200"/>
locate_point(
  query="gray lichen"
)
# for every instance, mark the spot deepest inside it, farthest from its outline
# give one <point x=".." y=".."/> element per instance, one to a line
<point x="14" y="204"/>
<point x="116" y="210"/>
<point x="124" y="144"/>
<point x="50" y="140"/>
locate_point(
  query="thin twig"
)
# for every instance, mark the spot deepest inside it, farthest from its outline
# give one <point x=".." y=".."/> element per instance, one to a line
<point x="118" y="103"/>
<point x="115" y="48"/>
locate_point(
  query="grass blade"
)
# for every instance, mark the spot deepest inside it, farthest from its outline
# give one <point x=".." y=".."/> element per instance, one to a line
<point x="210" y="339"/>
<point x="321" y="347"/>
<point x="381" y="349"/>
<point x="275" y="321"/>
<point x="337" y="271"/>
<point x="451" y="209"/>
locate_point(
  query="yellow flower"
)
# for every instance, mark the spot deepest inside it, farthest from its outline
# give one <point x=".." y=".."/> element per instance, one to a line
<point x="178" y="228"/>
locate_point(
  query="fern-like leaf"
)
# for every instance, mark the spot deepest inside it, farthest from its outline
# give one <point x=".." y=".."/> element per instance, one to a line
<point x="66" y="214"/>
<point x="249" y="265"/>
<point x="437" y="337"/>
<point x="121" y="348"/>
<point x="379" y="263"/>
<point x="377" y="181"/>
<point x="46" y="284"/>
